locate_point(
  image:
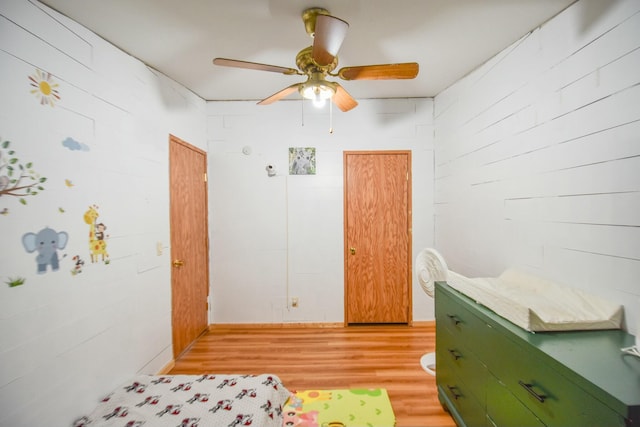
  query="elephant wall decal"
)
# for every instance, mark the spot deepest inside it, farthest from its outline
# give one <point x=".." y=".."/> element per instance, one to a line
<point x="46" y="242"/>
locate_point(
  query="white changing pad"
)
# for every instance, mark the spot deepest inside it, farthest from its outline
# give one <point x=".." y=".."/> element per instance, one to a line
<point x="536" y="304"/>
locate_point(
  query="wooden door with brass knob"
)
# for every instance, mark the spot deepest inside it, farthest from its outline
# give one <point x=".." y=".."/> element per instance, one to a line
<point x="189" y="243"/>
<point x="377" y="221"/>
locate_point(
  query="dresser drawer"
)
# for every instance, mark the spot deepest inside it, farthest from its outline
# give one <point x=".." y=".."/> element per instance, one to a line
<point x="463" y="325"/>
<point x="455" y="394"/>
<point x="551" y="396"/>
<point x="453" y="355"/>
<point x="504" y="410"/>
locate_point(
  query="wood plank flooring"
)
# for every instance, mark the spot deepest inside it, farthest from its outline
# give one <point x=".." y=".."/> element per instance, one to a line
<point x="327" y="358"/>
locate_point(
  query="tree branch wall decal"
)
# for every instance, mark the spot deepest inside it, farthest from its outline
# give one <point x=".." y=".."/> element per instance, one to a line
<point x="16" y="178"/>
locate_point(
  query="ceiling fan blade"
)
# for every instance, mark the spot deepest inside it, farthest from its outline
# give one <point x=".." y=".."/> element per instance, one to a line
<point x="407" y="70"/>
<point x="279" y="95"/>
<point x="343" y="100"/>
<point x="328" y="37"/>
<point x="254" y="66"/>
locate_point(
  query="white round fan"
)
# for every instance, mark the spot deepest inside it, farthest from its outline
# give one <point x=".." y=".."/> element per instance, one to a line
<point x="430" y="267"/>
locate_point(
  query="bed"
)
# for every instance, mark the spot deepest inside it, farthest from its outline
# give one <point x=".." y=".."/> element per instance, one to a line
<point x="192" y="401"/>
<point x="537" y="304"/>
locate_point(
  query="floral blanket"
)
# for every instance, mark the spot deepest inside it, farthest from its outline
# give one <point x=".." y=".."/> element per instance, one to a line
<point x="192" y="401"/>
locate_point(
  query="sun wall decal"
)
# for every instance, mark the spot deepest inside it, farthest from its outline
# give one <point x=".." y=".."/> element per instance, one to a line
<point x="44" y="87"/>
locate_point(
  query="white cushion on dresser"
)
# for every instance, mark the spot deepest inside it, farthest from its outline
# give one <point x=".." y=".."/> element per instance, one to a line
<point x="537" y="304"/>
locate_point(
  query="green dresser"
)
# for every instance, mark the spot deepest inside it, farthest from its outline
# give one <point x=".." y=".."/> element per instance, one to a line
<point x="491" y="372"/>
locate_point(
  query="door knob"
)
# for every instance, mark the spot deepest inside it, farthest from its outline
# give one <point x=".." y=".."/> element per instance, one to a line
<point x="178" y="263"/>
<point x="352" y="250"/>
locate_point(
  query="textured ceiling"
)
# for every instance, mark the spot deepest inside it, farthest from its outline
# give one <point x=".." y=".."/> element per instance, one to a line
<point x="448" y="38"/>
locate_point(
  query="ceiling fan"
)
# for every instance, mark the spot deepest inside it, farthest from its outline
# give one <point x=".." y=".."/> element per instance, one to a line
<point x="318" y="61"/>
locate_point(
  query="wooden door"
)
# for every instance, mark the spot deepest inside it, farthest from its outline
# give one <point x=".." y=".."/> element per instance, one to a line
<point x="189" y="243"/>
<point x="377" y="187"/>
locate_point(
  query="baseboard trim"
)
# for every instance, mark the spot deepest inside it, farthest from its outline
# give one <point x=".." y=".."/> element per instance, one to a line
<point x="276" y="325"/>
<point x="214" y="326"/>
<point x="423" y="323"/>
<point x="167" y="368"/>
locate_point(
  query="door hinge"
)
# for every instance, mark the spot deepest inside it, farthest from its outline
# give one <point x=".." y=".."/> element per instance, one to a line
<point x="205" y="177"/>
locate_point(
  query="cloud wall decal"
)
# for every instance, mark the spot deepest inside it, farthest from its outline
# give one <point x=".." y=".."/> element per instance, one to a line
<point x="74" y="145"/>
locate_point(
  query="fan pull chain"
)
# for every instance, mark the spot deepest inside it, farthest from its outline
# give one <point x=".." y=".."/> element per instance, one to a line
<point x="302" y="112"/>
<point x="330" y="116"/>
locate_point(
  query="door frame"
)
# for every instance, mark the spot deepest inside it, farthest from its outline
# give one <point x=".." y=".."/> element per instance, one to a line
<point x="409" y="229"/>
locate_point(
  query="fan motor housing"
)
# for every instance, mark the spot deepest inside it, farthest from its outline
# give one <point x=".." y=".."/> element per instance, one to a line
<point x="305" y="62"/>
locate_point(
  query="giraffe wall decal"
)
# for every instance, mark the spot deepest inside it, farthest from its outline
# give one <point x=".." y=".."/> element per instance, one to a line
<point x="97" y="241"/>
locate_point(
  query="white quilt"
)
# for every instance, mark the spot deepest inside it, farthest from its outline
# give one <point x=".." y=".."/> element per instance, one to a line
<point x="192" y="401"/>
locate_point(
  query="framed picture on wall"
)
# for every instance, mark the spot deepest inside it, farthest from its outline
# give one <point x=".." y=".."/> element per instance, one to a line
<point x="302" y="161"/>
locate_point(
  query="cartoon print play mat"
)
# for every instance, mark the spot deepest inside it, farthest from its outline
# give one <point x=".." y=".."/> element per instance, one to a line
<point x="337" y="408"/>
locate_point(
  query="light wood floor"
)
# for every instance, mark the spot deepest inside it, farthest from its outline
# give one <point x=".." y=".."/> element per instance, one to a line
<point x="329" y="358"/>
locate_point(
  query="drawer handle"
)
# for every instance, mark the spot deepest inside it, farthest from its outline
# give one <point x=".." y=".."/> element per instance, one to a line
<point x="454" y="319"/>
<point x="452" y="390"/>
<point x="454" y="353"/>
<point x="529" y="388"/>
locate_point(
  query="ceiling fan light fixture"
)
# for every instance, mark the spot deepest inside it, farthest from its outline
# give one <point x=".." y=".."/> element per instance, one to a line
<point x="317" y="90"/>
<point x="318" y="94"/>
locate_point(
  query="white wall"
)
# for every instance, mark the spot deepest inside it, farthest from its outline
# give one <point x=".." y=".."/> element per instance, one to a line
<point x="279" y="236"/>
<point x="67" y="339"/>
<point x="538" y="156"/>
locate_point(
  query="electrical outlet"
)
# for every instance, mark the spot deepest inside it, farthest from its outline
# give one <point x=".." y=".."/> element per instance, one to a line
<point x="294" y="302"/>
